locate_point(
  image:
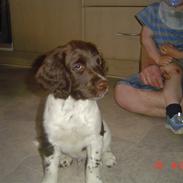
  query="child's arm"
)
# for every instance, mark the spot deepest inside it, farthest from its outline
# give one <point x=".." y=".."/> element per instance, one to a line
<point x="170" y="50"/>
<point x="152" y="50"/>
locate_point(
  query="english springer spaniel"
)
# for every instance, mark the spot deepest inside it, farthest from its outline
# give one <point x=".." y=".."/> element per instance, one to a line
<point x="74" y="76"/>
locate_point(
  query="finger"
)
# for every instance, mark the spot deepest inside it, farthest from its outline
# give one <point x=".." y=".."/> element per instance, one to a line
<point x="151" y="80"/>
<point x="163" y="50"/>
<point x="145" y="78"/>
<point x="170" y="45"/>
<point x="170" y="59"/>
<point x="165" y="63"/>
<point x="158" y="82"/>
<point x="157" y="78"/>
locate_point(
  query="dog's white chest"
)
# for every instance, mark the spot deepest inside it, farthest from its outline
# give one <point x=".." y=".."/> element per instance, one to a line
<point x="70" y="122"/>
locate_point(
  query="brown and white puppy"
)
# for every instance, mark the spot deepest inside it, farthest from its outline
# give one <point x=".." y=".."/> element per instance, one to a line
<point x="74" y="76"/>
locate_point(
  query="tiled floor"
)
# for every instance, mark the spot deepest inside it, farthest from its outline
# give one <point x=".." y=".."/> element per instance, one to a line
<point x="139" y="142"/>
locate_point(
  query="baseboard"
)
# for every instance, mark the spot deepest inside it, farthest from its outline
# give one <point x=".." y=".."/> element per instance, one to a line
<point x="17" y="59"/>
<point x="117" y="68"/>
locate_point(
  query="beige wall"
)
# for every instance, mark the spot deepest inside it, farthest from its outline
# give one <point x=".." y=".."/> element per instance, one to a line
<point x="40" y="25"/>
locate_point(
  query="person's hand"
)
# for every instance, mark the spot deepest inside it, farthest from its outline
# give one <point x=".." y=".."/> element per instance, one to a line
<point x="170" y="50"/>
<point x="164" y="60"/>
<point x="151" y="75"/>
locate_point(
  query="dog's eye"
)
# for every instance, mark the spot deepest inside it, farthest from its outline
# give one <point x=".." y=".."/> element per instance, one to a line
<point x="78" y="67"/>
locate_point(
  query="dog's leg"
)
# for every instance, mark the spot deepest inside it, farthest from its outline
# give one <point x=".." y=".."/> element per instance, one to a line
<point x="108" y="157"/>
<point x="65" y="161"/>
<point x="51" y="157"/>
<point x="94" y="151"/>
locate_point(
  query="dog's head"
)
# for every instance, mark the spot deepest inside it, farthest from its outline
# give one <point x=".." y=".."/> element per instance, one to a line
<point x="76" y="69"/>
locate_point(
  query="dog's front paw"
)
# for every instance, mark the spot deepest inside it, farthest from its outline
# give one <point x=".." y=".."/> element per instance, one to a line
<point x="65" y="161"/>
<point x="50" y="179"/>
<point x="108" y="159"/>
<point x="96" y="179"/>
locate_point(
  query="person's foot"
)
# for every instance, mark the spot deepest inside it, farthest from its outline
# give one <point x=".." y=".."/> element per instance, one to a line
<point x="175" y="124"/>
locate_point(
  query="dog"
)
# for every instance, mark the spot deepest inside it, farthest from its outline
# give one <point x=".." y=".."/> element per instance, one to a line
<point x="74" y="76"/>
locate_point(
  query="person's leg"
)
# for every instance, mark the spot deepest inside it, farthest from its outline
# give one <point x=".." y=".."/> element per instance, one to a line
<point x="172" y="86"/>
<point x="150" y="102"/>
<point x="141" y="101"/>
<point x="132" y="95"/>
<point x="172" y="93"/>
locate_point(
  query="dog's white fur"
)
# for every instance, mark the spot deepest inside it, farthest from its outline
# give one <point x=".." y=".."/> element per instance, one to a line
<point x="72" y="125"/>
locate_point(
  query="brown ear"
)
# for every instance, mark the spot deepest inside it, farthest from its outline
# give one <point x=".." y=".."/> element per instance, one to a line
<point x="103" y="64"/>
<point x="52" y="74"/>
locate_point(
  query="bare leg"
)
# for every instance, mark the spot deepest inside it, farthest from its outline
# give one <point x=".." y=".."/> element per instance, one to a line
<point x="152" y="103"/>
<point x="172" y="87"/>
<point x="51" y="164"/>
<point x="51" y="157"/>
<point x="145" y="102"/>
<point x="108" y="158"/>
<point x="94" y="151"/>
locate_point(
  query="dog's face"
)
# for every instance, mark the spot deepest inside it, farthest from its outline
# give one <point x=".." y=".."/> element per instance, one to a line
<point x="76" y="69"/>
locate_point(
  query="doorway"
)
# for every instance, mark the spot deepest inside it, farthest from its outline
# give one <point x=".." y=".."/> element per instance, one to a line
<point x="5" y="26"/>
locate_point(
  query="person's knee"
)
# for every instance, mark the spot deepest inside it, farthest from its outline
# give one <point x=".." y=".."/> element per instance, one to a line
<point x="173" y="69"/>
<point x="117" y="92"/>
<point x="121" y="95"/>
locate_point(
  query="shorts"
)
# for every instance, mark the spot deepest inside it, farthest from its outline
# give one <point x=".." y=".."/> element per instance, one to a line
<point x="135" y="82"/>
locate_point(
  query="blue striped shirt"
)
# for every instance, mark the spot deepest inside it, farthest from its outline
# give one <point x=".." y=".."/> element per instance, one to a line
<point x="162" y="34"/>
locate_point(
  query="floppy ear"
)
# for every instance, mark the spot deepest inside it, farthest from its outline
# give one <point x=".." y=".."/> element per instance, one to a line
<point x="103" y="64"/>
<point x="52" y="74"/>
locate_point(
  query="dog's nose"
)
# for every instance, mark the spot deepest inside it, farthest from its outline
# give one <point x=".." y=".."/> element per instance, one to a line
<point x="102" y="85"/>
